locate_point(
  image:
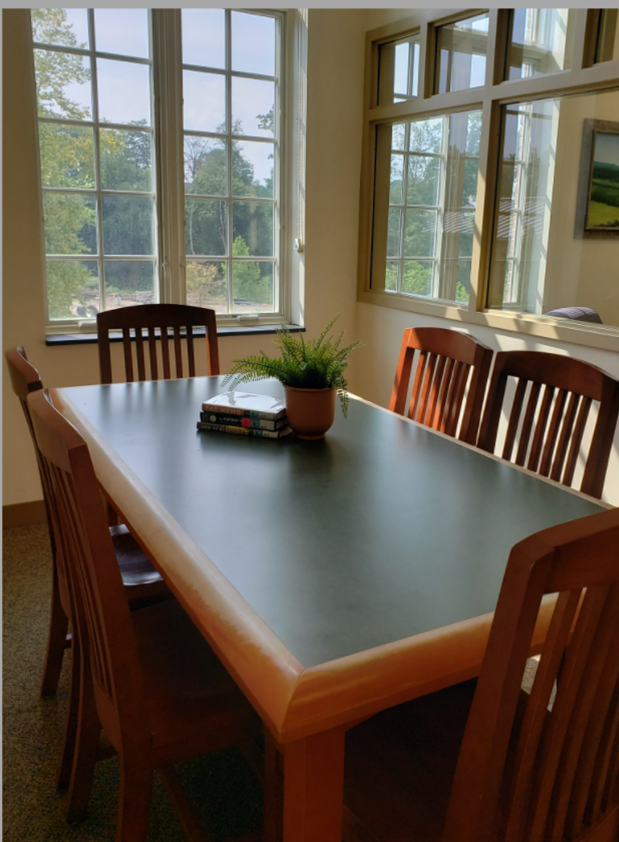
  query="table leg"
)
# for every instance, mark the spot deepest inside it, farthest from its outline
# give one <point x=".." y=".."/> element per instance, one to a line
<point x="313" y="788"/>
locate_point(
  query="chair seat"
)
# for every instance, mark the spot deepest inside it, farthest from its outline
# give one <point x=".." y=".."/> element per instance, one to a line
<point x="400" y="765"/>
<point x="186" y="685"/>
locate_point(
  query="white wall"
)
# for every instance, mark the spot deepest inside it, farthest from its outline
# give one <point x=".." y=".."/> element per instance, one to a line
<point x="335" y="95"/>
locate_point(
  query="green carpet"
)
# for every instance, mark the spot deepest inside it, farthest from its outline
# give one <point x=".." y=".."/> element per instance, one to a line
<point x="223" y="790"/>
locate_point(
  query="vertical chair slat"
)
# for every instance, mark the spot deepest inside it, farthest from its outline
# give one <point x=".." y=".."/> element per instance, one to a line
<point x="128" y="356"/>
<point x="552" y="433"/>
<point x="437" y="385"/>
<point x="567" y="430"/>
<point x="537" y="713"/>
<point x="139" y="351"/>
<point x="460" y="374"/>
<point x="190" y="354"/>
<point x="152" y="348"/>
<point x="527" y="424"/>
<point x="582" y="722"/>
<point x="426" y="389"/>
<point x="402" y="378"/>
<point x="514" y="418"/>
<point x="596" y="729"/>
<point x="577" y="435"/>
<point x="559" y="722"/>
<point x="540" y="428"/>
<point x="178" y="351"/>
<point x="603" y="762"/>
<point x="443" y="403"/>
<point x="165" y="353"/>
<point x="417" y="384"/>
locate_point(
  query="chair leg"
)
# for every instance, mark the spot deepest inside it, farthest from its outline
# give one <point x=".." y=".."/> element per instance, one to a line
<point x="87" y="733"/>
<point x="57" y="642"/>
<point x="71" y="727"/>
<point x="136" y="783"/>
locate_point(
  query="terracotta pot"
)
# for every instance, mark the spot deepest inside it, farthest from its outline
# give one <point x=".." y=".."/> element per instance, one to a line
<point x="310" y="411"/>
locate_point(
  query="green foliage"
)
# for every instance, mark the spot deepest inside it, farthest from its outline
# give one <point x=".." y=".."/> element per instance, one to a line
<point x="314" y="364"/>
<point x="246" y="279"/>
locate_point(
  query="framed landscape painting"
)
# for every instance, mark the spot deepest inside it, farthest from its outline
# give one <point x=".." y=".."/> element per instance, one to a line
<point x="602" y="153"/>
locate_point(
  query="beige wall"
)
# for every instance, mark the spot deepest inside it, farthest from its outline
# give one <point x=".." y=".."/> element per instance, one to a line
<point x="336" y="52"/>
<point x="582" y="272"/>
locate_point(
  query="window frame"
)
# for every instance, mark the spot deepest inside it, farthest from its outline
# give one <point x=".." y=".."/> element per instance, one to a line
<point x="581" y="77"/>
<point x="168" y="171"/>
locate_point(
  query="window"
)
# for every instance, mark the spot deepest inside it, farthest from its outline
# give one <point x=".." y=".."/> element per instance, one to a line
<point x="121" y="95"/>
<point x="472" y="200"/>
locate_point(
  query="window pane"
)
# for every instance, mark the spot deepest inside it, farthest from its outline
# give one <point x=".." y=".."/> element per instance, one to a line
<point x="419" y="233"/>
<point x="252" y="107"/>
<point x="122" y="31"/>
<point x="67" y="158"/>
<point x="391" y="277"/>
<point x="60" y="27"/>
<point x="399" y="70"/>
<point x="541" y="42"/>
<point x="417" y="277"/>
<point x="204" y="101"/>
<point x="396" y="186"/>
<point x="204" y="37"/>
<point x="252" y="284"/>
<point x="124" y="92"/>
<point x="398" y="137"/>
<point x="525" y="199"/>
<point x="70" y="288"/>
<point x="252" y="229"/>
<point x="125" y="160"/>
<point x="207" y="285"/>
<point x="423" y="180"/>
<point x="127" y="225"/>
<point x="206" y="227"/>
<point x="252" y="169"/>
<point x="69" y="223"/>
<point x="63" y="85"/>
<point x="438" y="176"/>
<point x="129" y="282"/>
<point x="607" y="46"/>
<point x="253" y="43"/>
<point x="461" y="51"/>
<point x="206" y="166"/>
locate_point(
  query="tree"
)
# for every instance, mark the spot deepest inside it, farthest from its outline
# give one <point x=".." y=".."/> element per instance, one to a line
<point x="247" y="281"/>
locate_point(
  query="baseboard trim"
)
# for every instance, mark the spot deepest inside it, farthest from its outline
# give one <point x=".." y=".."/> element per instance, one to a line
<point x="24" y="514"/>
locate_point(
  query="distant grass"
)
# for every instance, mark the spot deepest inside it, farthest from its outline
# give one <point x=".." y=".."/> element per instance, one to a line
<point x="603" y="216"/>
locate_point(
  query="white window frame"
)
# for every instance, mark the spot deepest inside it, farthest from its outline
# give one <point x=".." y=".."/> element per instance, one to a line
<point x="581" y="77"/>
<point x="168" y="170"/>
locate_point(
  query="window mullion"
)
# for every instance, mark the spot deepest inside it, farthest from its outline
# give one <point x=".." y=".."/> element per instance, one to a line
<point x="169" y="172"/>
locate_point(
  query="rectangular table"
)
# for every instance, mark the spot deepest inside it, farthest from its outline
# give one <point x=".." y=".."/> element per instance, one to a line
<point x="334" y="578"/>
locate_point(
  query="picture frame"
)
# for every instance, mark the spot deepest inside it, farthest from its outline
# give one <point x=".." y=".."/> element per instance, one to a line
<point x="598" y="195"/>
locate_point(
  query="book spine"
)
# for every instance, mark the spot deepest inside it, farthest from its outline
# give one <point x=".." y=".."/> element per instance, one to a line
<point x="247" y="413"/>
<point x="239" y="420"/>
<point x="241" y="431"/>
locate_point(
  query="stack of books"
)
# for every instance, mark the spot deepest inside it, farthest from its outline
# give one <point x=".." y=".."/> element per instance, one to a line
<point x="245" y="414"/>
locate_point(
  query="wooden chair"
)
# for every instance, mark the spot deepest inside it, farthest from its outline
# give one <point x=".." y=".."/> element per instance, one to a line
<point x="142" y="583"/>
<point x="149" y="678"/>
<point x="157" y="320"/>
<point x="550" y="435"/>
<point x="527" y="769"/>
<point x="445" y="359"/>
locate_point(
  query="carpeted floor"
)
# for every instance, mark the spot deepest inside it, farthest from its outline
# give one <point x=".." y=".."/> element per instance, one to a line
<point x="223" y="790"/>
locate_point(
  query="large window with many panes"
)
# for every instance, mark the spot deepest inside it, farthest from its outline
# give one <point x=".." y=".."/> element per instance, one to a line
<point x="491" y="171"/>
<point x="162" y="159"/>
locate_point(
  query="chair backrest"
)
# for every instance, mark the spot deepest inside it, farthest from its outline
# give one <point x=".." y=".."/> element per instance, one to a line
<point x="100" y="611"/>
<point x="150" y="325"/>
<point x="445" y="359"/>
<point x="550" y="432"/>
<point x="532" y="770"/>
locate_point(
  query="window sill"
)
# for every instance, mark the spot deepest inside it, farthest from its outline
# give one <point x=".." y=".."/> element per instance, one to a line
<point x="604" y="337"/>
<point x="222" y="332"/>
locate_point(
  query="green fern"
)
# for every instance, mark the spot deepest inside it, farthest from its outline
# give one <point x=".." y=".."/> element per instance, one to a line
<point x="304" y="364"/>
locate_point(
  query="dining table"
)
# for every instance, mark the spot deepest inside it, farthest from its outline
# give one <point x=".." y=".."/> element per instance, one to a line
<point x="334" y="578"/>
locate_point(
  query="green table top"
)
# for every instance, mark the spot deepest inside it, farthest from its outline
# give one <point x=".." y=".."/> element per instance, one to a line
<point x="381" y="531"/>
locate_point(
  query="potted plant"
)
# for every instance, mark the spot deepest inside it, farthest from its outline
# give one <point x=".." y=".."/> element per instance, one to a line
<point x="312" y="373"/>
